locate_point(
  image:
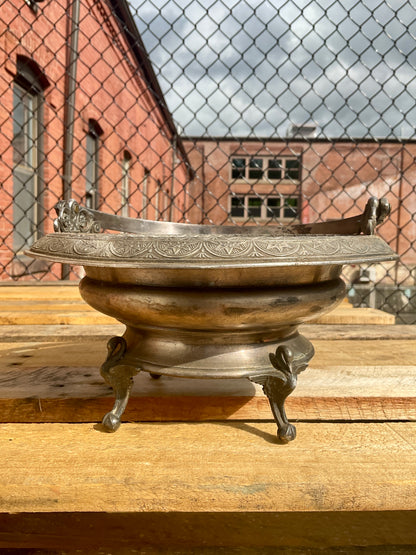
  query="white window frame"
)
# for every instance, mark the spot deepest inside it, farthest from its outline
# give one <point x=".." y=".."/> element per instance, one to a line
<point x="27" y="102"/>
<point x="265" y="213"/>
<point x="91" y="170"/>
<point x="125" y="184"/>
<point x="145" y="192"/>
<point x="255" y="164"/>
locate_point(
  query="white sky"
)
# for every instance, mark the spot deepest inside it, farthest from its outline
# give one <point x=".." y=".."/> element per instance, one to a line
<point x="252" y="67"/>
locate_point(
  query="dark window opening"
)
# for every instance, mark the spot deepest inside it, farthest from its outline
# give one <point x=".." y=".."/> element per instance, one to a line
<point x="27" y="145"/>
<point x="255" y="168"/>
<point x="264" y="207"/>
<point x="92" y="147"/>
<point x="265" y="168"/>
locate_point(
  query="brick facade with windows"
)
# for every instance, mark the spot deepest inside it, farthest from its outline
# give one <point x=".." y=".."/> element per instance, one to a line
<point x="119" y="115"/>
<point x="263" y="181"/>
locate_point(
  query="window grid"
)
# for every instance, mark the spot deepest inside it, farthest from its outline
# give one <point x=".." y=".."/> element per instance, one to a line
<point x="125" y="184"/>
<point x="264" y="207"/>
<point x="265" y="168"/>
<point x="26" y="125"/>
<point x="91" y="170"/>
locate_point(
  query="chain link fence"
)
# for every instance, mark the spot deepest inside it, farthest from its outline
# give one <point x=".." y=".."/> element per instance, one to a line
<point x="252" y="112"/>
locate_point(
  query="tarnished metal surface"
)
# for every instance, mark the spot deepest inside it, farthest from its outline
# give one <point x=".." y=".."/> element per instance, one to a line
<point x="233" y="311"/>
<point x="211" y="302"/>
<point x="279" y="386"/>
<point x="120" y="376"/>
<point x="161" y="244"/>
<point x="130" y="251"/>
<point x="73" y="218"/>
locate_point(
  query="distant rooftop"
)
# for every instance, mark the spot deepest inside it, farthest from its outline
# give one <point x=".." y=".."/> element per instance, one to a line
<point x="306" y="130"/>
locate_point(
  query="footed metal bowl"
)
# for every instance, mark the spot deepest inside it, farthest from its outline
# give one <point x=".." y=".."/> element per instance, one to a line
<point x="211" y="301"/>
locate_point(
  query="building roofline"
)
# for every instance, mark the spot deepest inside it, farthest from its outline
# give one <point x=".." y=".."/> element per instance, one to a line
<point x="131" y="32"/>
<point x="298" y="139"/>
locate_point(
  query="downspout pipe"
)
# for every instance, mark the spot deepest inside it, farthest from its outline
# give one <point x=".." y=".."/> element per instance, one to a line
<point x="69" y="111"/>
<point x="172" y="186"/>
<point x="399" y="215"/>
<point x="70" y="86"/>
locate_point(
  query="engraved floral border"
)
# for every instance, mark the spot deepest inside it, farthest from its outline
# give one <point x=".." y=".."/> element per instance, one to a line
<point x="82" y="249"/>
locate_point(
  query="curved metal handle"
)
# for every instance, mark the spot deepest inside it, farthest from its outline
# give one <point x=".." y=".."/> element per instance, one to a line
<point x="376" y="211"/>
<point x="75" y="219"/>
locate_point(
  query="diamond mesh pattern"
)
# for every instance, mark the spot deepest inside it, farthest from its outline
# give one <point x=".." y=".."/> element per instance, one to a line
<point x="253" y="112"/>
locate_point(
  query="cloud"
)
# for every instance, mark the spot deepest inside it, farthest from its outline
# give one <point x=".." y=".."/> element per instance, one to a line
<point x="255" y="66"/>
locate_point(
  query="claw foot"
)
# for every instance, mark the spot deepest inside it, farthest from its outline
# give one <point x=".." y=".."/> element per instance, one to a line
<point x="120" y="377"/>
<point x="286" y="433"/>
<point x="277" y="386"/>
<point x="111" y="422"/>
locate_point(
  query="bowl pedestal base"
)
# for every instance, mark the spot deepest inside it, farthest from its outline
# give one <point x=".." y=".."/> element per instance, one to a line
<point x="274" y="365"/>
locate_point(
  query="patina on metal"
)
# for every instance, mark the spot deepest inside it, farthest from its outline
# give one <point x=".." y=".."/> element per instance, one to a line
<point x="211" y="301"/>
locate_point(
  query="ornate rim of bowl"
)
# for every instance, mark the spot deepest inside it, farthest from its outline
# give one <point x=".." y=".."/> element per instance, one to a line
<point x="154" y="244"/>
<point x="181" y="251"/>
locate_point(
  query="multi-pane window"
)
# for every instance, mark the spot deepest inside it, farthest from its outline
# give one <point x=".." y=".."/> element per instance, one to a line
<point x="145" y="192"/>
<point x="92" y="146"/>
<point x="162" y="202"/>
<point x="27" y="156"/>
<point x="265" y="168"/>
<point x="24" y="128"/>
<point x="264" y="207"/>
<point x="125" y="183"/>
<point x="25" y="136"/>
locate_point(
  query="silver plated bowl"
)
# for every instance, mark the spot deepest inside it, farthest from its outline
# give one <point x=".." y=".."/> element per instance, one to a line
<point x="211" y="301"/>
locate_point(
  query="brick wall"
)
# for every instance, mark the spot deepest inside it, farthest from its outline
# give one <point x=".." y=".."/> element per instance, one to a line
<point x="111" y="90"/>
<point x="337" y="178"/>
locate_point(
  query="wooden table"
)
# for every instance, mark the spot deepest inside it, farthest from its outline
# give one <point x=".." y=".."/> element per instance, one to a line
<point x="196" y="464"/>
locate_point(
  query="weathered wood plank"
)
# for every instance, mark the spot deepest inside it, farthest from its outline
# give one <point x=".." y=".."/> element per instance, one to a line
<point x="55" y="317"/>
<point x="41" y="332"/>
<point x="362" y="332"/>
<point x="347" y="314"/>
<point x="44" y="306"/>
<point x="338" y="381"/>
<point x="86" y="402"/>
<point x="220" y="533"/>
<point x="200" y="468"/>
<point x="54" y="333"/>
<point x="343" y="352"/>
<point x="60" y="382"/>
<point x="22" y="291"/>
<point x="215" y="533"/>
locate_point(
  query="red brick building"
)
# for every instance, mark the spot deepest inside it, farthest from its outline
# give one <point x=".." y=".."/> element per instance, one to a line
<point x="267" y="182"/>
<point x="81" y="116"/>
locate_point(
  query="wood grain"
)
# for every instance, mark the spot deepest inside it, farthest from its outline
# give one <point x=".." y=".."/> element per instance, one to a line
<point x="210" y="533"/>
<point x="343" y="352"/>
<point x="54" y="333"/>
<point x="347" y="314"/>
<point x="208" y="467"/>
<point x="347" y="380"/>
<point x="228" y="483"/>
<point x="25" y="291"/>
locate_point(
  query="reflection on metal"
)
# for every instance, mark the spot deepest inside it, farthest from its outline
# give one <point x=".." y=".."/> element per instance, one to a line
<point x="211" y="301"/>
